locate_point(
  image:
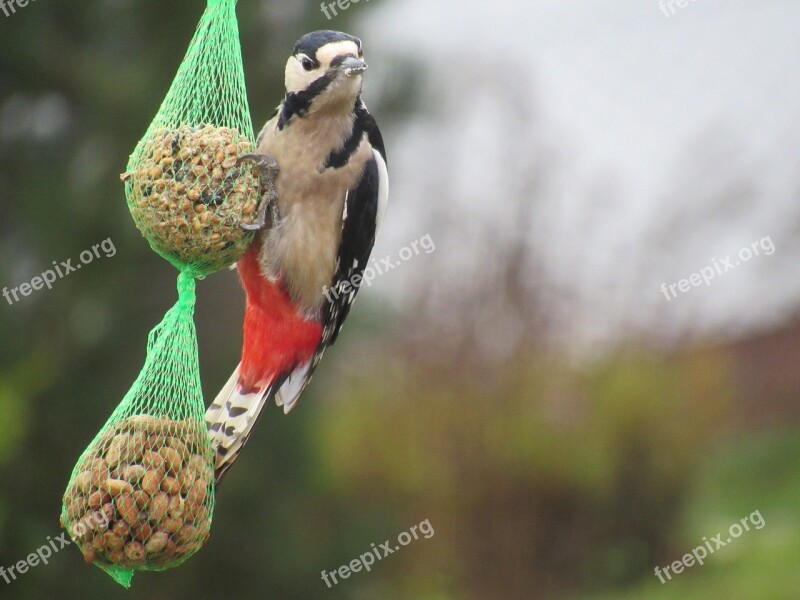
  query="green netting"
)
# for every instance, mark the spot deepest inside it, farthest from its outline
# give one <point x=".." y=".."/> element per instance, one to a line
<point x="141" y="495"/>
<point x="186" y="191"/>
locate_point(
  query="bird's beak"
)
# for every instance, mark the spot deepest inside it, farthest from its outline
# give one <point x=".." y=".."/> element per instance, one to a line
<point x="352" y="66"/>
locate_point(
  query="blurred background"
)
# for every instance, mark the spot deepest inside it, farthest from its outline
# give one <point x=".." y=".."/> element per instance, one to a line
<point x="564" y="423"/>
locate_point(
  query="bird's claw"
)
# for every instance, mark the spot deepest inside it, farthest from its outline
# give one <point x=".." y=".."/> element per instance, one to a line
<point x="268" y="214"/>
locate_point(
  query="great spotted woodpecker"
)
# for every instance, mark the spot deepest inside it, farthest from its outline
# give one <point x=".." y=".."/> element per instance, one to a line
<point x="325" y="154"/>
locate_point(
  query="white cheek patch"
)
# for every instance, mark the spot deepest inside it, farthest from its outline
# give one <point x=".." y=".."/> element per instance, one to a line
<point x="297" y="78"/>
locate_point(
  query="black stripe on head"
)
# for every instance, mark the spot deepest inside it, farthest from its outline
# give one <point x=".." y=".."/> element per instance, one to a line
<point x="311" y="42"/>
<point x="298" y="103"/>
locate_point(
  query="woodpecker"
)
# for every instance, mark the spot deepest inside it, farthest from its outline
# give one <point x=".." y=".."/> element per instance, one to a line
<point x="326" y="157"/>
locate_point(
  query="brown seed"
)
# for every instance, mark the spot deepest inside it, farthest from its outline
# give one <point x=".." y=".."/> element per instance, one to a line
<point x="142" y="532"/>
<point x="230" y="149"/>
<point x="134" y="473"/>
<point x="152" y="481"/>
<point x="172" y="550"/>
<point x="167" y="161"/>
<point x="112" y="541"/>
<point x="134" y="551"/>
<point x="157" y="543"/>
<point x="126" y="506"/>
<point x="99" y="470"/>
<point x="83" y="481"/>
<point x="171" y="485"/>
<point x="82" y="533"/>
<point x="108" y="512"/>
<point x="115" y="449"/>
<point x="141" y="423"/>
<point x="98" y="499"/>
<point x="117" y="557"/>
<point x="152" y="460"/>
<point x="171" y="525"/>
<point x="176" y="506"/>
<point x="158" y="507"/>
<point x="116" y="472"/>
<point x="174" y="442"/>
<point x="98" y="543"/>
<point x="121" y="529"/>
<point x="194" y="196"/>
<point x="141" y="498"/>
<point x="155" y="173"/>
<point x="186" y="535"/>
<point x="89" y="555"/>
<point x="172" y="459"/>
<point x="199" y="465"/>
<point x="201" y="515"/>
<point x="186" y="478"/>
<point x="115" y="487"/>
<point x="197" y="494"/>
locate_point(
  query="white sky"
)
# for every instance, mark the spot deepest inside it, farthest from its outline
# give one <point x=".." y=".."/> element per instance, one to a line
<point x="623" y="94"/>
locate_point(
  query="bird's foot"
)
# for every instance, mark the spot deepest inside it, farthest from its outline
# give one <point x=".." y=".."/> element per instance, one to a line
<point x="268" y="214"/>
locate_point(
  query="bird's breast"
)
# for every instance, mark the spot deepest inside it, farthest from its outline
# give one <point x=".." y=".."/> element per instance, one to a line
<point x="302" y="250"/>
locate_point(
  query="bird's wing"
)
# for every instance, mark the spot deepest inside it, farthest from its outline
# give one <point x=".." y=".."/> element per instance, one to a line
<point x="364" y="206"/>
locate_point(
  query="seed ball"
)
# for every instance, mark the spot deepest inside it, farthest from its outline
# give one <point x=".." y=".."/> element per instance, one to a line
<point x="176" y="166"/>
<point x="155" y="498"/>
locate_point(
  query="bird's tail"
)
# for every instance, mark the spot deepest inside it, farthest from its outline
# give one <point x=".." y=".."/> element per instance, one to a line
<point x="231" y="417"/>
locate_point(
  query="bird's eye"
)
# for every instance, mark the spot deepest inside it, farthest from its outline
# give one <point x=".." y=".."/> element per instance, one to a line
<point x="307" y="63"/>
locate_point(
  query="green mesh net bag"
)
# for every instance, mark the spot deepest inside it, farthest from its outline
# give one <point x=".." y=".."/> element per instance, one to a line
<point x="141" y="495"/>
<point x="186" y="190"/>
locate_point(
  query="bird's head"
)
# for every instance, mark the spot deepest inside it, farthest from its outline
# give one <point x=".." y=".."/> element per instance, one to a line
<point x="325" y="70"/>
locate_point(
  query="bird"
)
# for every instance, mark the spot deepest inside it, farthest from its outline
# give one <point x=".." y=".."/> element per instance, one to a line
<point x="324" y="155"/>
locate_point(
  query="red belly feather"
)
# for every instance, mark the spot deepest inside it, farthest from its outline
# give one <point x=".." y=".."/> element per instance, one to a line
<point x="276" y="338"/>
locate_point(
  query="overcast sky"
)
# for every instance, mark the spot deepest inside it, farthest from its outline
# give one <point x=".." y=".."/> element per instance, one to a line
<point x="631" y="98"/>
